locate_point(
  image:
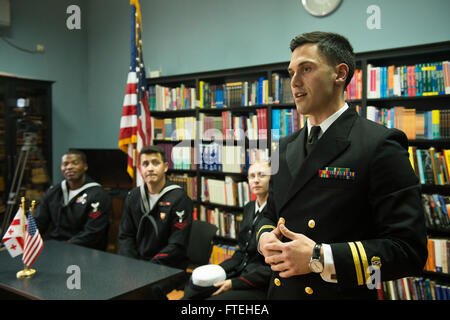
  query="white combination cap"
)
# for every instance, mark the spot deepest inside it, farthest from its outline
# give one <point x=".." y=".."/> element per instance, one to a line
<point x="207" y="275"/>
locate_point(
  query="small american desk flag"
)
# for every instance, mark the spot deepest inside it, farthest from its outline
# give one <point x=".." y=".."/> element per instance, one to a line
<point x="135" y="123"/>
<point x="33" y="242"/>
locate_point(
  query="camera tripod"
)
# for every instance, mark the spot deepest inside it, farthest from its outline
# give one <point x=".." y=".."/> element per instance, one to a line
<point x="28" y="149"/>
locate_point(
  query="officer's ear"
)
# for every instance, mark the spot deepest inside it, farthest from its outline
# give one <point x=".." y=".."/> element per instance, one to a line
<point x="341" y="70"/>
<point x="166" y="166"/>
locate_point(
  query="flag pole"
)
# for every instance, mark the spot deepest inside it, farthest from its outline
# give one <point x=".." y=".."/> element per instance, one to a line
<point x="26" y="272"/>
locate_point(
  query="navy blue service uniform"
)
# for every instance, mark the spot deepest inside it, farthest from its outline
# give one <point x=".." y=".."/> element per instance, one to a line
<point x="161" y="234"/>
<point x="247" y="270"/>
<point x="371" y="215"/>
<point x="84" y="220"/>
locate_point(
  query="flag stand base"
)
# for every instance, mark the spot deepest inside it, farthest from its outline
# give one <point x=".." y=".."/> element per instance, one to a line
<point x="25" y="273"/>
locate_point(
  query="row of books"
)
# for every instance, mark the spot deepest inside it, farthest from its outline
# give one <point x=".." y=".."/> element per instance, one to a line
<point x="414" y="288"/>
<point x="173" y="129"/>
<point x="437" y="208"/>
<point x="227" y="127"/>
<point x="168" y="99"/>
<point x="354" y="88"/>
<point x="212" y="127"/>
<point x="421" y="79"/>
<point x="246" y="93"/>
<point x="253" y="126"/>
<point x="281" y="89"/>
<point x="221" y="252"/>
<point x="234" y="94"/>
<point x="189" y="184"/>
<point x="382" y="82"/>
<point x="213" y="156"/>
<point x="180" y="158"/>
<point x="285" y="122"/>
<point x="225" y="192"/>
<point x="438" y="255"/>
<point x="431" y="166"/>
<point x="232" y="159"/>
<point x="227" y="223"/>
<point x="433" y="124"/>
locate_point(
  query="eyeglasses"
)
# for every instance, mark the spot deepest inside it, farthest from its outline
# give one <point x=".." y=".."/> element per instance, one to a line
<point x="259" y="175"/>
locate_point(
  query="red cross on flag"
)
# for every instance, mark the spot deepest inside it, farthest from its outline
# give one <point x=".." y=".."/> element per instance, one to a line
<point x="14" y="236"/>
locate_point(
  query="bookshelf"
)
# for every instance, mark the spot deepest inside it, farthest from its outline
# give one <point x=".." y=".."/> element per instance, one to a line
<point x="407" y="88"/>
<point x="25" y="106"/>
<point x="264" y="91"/>
<point x="228" y="107"/>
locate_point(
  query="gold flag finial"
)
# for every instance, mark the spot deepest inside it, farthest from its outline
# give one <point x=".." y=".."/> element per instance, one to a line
<point x="33" y="204"/>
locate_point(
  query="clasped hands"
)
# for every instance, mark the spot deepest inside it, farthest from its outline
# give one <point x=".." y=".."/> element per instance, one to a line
<point x="288" y="258"/>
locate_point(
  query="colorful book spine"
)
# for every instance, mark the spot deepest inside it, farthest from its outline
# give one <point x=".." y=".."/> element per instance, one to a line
<point x="414" y="288"/>
<point x="422" y="79"/>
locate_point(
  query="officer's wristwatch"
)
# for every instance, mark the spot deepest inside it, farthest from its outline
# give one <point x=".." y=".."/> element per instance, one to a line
<point x="316" y="263"/>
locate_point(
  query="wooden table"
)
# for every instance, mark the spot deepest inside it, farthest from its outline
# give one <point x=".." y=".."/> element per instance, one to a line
<point x="102" y="275"/>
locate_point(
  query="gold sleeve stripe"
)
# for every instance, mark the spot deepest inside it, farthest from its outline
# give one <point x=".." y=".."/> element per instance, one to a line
<point x="365" y="263"/>
<point x="357" y="263"/>
<point x="267" y="226"/>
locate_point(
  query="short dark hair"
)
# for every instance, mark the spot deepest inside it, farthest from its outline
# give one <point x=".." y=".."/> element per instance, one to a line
<point x="78" y="152"/>
<point x="334" y="47"/>
<point x="151" y="150"/>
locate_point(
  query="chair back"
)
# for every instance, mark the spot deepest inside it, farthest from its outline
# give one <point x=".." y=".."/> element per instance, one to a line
<point x="200" y="242"/>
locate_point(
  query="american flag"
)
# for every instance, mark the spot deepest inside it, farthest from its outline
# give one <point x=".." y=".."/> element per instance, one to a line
<point x="33" y="242"/>
<point x="13" y="239"/>
<point x="135" y="124"/>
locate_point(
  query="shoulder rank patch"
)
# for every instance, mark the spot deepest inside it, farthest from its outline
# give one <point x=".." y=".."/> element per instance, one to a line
<point x="95" y="212"/>
<point x="94" y="206"/>
<point x="180" y="215"/>
<point x="180" y="224"/>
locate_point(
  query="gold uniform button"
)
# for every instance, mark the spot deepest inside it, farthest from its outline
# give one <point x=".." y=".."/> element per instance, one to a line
<point x="311" y="223"/>
<point x="277" y="282"/>
<point x="281" y="220"/>
<point x="309" y="290"/>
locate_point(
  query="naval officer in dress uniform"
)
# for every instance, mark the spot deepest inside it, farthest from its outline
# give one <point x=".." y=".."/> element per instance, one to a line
<point x="247" y="273"/>
<point x="344" y="208"/>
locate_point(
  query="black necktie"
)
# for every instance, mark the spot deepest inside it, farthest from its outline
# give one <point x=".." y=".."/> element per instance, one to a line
<point x="312" y="139"/>
<point x="256" y="216"/>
